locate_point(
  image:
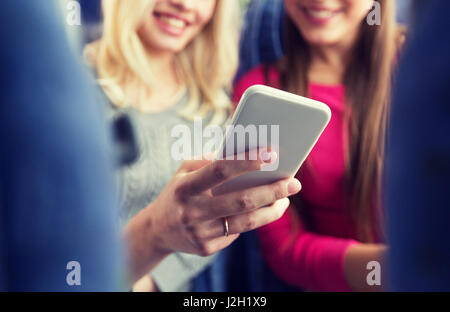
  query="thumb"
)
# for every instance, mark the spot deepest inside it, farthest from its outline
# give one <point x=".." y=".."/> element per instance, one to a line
<point x="193" y="165"/>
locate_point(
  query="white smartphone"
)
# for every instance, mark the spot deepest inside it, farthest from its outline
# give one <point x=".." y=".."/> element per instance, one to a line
<point x="286" y="123"/>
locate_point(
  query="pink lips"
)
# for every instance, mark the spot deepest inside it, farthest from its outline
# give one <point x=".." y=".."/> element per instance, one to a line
<point x="162" y="19"/>
<point x="319" y="16"/>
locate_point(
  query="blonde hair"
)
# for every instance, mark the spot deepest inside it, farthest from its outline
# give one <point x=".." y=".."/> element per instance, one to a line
<point x="207" y="65"/>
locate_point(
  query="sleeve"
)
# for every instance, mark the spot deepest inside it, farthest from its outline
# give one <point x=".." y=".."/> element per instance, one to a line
<point x="176" y="272"/>
<point x="305" y="259"/>
<point x="254" y="77"/>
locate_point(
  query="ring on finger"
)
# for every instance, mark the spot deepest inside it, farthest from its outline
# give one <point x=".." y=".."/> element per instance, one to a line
<point x="226" y="227"/>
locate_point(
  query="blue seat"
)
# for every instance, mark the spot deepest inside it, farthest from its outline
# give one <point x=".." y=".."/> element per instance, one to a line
<point x="56" y="167"/>
<point x="418" y="157"/>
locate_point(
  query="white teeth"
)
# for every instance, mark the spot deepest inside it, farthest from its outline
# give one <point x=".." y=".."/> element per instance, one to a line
<point x="175" y="22"/>
<point x="320" y="13"/>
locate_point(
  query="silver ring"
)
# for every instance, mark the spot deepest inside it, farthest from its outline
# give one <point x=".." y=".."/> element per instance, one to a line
<point x="226" y="226"/>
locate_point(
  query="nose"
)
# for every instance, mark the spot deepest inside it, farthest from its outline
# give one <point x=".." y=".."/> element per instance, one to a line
<point x="183" y="4"/>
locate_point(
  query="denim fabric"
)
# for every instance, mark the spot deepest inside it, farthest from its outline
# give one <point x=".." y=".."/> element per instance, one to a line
<point x="418" y="157"/>
<point x="56" y="168"/>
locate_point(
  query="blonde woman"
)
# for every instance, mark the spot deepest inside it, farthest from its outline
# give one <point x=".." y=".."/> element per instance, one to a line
<point x="165" y="62"/>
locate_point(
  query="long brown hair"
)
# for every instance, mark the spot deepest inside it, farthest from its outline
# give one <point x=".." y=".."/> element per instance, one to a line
<point x="367" y="83"/>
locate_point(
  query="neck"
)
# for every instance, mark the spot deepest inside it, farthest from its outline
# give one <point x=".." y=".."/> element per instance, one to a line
<point x="167" y="81"/>
<point x="165" y="84"/>
<point x="163" y="63"/>
<point x="332" y="55"/>
<point x="329" y="63"/>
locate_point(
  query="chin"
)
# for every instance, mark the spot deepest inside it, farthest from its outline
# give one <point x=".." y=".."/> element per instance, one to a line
<point x="169" y="47"/>
<point x="173" y="49"/>
<point x="323" y="40"/>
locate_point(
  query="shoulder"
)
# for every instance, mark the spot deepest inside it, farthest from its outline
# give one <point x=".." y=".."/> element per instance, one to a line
<point x="262" y="74"/>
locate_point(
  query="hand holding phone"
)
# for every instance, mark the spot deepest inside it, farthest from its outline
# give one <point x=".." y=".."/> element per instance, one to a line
<point x="268" y="118"/>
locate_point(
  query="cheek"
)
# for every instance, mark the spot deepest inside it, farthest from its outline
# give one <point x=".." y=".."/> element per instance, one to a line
<point x="146" y="30"/>
<point x="205" y="11"/>
<point x="358" y="9"/>
<point x="204" y="15"/>
<point x="290" y="7"/>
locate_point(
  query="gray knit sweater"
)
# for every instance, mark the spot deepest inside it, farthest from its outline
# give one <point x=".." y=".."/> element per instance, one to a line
<point x="142" y="182"/>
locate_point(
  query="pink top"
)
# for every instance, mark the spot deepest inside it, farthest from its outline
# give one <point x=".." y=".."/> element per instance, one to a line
<point x="312" y="260"/>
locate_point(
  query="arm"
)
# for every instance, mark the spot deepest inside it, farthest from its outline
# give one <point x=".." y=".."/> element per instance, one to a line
<point x="174" y="274"/>
<point x="305" y="259"/>
<point x="169" y="272"/>
<point x="140" y="235"/>
<point x="187" y="217"/>
<point x="318" y="262"/>
<point x="355" y="265"/>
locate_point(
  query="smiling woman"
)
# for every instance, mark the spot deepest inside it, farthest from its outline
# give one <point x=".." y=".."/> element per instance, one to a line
<point x="164" y="63"/>
<point x="168" y="29"/>
<point x="172" y="47"/>
<point x="336" y="226"/>
<point x="184" y="36"/>
<point x="328" y="23"/>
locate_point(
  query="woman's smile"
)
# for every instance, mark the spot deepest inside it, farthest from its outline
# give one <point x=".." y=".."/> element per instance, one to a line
<point x="171" y="24"/>
<point x="319" y="15"/>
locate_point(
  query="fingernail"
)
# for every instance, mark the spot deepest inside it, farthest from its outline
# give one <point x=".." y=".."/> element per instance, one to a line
<point x="294" y="187"/>
<point x="268" y="157"/>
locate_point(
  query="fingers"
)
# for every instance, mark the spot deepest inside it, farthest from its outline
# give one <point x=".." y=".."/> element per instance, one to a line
<point x="243" y="223"/>
<point x="192" y="165"/>
<point x="258" y="218"/>
<point x="222" y="170"/>
<point x="247" y="200"/>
